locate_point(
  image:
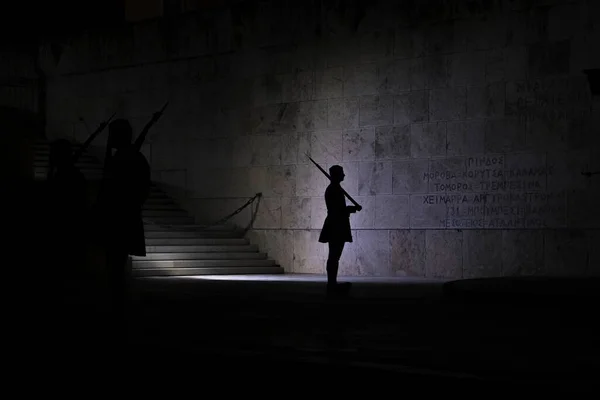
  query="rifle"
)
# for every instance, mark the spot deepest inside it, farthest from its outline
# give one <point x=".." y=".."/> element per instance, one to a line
<point x="358" y="206"/>
<point x="90" y="139"/>
<point x="142" y="137"/>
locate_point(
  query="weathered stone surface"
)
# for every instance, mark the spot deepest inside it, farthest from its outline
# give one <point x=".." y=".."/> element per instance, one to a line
<point x="547" y="132"/>
<point x="296" y="212"/>
<point x="343" y="113"/>
<point x="312" y="115"/>
<point x="427" y="140"/>
<point x="374" y="178"/>
<point x="444" y="254"/>
<point x="299" y="86"/>
<point x="364" y="219"/>
<point x="407" y="248"/>
<point x="482" y="254"/>
<point x="281" y="181"/>
<point x="268" y="215"/>
<point x="447" y="104"/>
<point x="310" y="181"/>
<point x="426" y="213"/>
<point x="376" y="110"/>
<point x="549" y="58"/>
<point x="504" y="135"/>
<point x="361" y="80"/>
<point x="329" y="83"/>
<point x="529" y="171"/>
<point x="582" y="209"/>
<point x="392" y="212"/>
<point x="318" y="212"/>
<point x="410" y="176"/>
<point x="465" y="137"/>
<point x="309" y="255"/>
<point x="326" y="146"/>
<point x="266" y="90"/>
<point x="486" y="101"/>
<point x="376" y="45"/>
<point x="373" y="252"/>
<point x="265" y="150"/>
<point x="522" y="253"/>
<point x="593" y="268"/>
<point x="566" y="252"/>
<point x="279" y="245"/>
<point x="392" y="142"/>
<point x="294" y="146"/>
<point x="359" y="145"/>
<point x="411" y="107"/>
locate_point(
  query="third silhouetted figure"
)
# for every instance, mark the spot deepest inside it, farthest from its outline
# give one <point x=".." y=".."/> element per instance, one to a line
<point x="336" y="229"/>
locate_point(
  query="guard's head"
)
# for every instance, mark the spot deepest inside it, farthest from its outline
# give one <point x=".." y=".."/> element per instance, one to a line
<point x="61" y="152"/>
<point x="120" y="134"/>
<point x="337" y="173"/>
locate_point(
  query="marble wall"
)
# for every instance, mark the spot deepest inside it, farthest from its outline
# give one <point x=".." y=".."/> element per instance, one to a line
<point x="463" y="127"/>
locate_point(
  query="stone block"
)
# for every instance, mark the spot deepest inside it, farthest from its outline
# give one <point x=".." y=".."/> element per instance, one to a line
<point x="565" y="168"/>
<point x="447" y="175"/>
<point x="239" y="184"/>
<point x="394" y="77"/>
<point x="343" y="113"/>
<point x="310" y="256"/>
<point x="547" y="132"/>
<point x="486" y="101"/>
<point x="241" y="150"/>
<point x="495" y="66"/>
<point x="428" y="140"/>
<point x="525" y="27"/>
<point x="407" y="44"/>
<point x="516" y="59"/>
<point x="447" y="104"/>
<point x="312" y="115"/>
<point x="269" y="119"/>
<point x="373" y="252"/>
<point x="465" y="137"/>
<point x="341" y="50"/>
<point x="265" y="150"/>
<point x="522" y="253"/>
<point x="298" y="86"/>
<point x="484" y="33"/>
<point x="310" y="181"/>
<point x="374" y="178"/>
<point x="266" y="90"/>
<point x="359" y="145"/>
<point x="318" y="212"/>
<point x="392" y="212"/>
<point x="326" y="146"/>
<point x="296" y="212"/>
<point x="594" y="253"/>
<point x="329" y="83"/>
<point x="279" y="245"/>
<point x="392" y="142"/>
<point x="361" y="80"/>
<point x="365" y="218"/>
<point x="504" y="135"/>
<point x="281" y="181"/>
<point x="437" y="70"/>
<point x="407" y="248"/>
<point x="444" y="254"/>
<point x="482" y="254"/>
<point x="410" y="176"/>
<point x="426" y="212"/>
<point x="467" y="68"/>
<point x="295" y="145"/>
<point x="418" y="74"/>
<point x="566" y="252"/>
<point x="376" y="110"/>
<point x="268" y="215"/>
<point x="411" y="107"/>
<point x="582" y="209"/>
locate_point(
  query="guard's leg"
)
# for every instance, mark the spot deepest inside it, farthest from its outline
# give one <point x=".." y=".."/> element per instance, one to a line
<point x="333" y="262"/>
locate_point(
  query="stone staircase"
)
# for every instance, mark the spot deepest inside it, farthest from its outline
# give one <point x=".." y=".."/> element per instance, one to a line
<point x="175" y="245"/>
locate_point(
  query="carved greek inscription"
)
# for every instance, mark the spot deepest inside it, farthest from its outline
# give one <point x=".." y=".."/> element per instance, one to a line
<point x="486" y="193"/>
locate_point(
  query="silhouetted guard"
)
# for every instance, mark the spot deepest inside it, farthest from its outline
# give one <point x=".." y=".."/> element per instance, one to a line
<point x="328" y="177"/>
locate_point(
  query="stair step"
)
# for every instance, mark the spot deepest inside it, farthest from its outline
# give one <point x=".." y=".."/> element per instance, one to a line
<point x="191" y="235"/>
<point x="197" y="242"/>
<point x="201" y="263"/>
<point x="164" y="213"/>
<point x="152" y="226"/>
<point x="148" y="272"/>
<point x="201" y="256"/>
<point x="183" y="220"/>
<point x="208" y="248"/>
